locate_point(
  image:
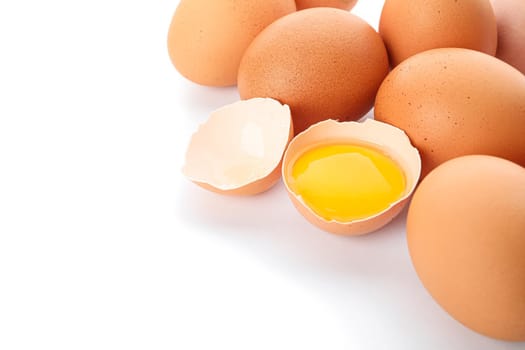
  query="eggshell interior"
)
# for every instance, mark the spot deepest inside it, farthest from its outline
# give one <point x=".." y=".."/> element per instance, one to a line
<point x="381" y="136"/>
<point x="239" y="144"/>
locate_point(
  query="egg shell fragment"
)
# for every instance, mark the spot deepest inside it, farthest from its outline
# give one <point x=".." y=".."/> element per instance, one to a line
<point x="380" y="136"/>
<point x="453" y="102"/>
<point x="466" y="237"/>
<point x="412" y="26"/>
<point x="238" y="150"/>
<point x="324" y="63"/>
<point x="206" y="39"/>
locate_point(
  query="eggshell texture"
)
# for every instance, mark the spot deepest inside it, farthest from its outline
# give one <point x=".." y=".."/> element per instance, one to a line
<point x="454" y="102"/>
<point x="207" y="39"/>
<point x="381" y="136"/>
<point x="412" y="26"/>
<point x="340" y="4"/>
<point x="238" y="151"/>
<point x="466" y="237"/>
<point x="322" y="62"/>
<point x="510" y="16"/>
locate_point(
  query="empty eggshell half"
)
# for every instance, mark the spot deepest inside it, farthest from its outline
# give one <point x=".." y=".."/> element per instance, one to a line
<point x="239" y="149"/>
<point x="387" y="139"/>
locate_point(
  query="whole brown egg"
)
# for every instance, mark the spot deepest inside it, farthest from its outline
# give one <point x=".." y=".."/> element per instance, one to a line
<point x="466" y="237"/>
<point x="324" y="63"/>
<point x="340" y="4"/>
<point x="454" y="102"/>
<point x="412" y="26"/>
<point x="207" y="39"/>
<point x="510" y="16"/>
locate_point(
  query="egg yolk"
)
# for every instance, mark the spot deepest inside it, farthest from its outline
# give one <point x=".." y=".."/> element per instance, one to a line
<point x="347" y="182"/>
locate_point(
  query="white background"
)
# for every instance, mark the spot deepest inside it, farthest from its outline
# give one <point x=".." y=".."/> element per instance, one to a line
<point x="104" y="245"/>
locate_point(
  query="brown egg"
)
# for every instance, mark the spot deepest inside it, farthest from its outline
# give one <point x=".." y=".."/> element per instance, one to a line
<point x="454" y="102"/>
<point x="207" y="39"/>
<point x="412" y="26"/>
<point x="322" y="62"/>
<point x="341" y="4"/>
<point x="510" y="16"/>
<point x="371" y="134"/>
<point x="466" y="236"/>
<point x="238" y="151"/>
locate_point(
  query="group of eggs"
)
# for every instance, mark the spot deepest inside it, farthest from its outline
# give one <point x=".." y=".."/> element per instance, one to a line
<point x="448" y="129"/>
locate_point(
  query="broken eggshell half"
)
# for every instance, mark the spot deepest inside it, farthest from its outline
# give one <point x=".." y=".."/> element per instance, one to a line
<point x="238" y="150"/>
<point x="382" y="137"/>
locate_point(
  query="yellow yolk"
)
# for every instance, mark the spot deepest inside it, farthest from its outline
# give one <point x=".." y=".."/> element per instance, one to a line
<point x="347" y="182"/>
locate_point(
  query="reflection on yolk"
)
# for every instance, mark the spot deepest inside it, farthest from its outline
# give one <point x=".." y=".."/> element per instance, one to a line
<point x="347" y="182"/>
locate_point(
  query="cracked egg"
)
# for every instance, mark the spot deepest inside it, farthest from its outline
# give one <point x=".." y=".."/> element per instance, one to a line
<point x="350" y="178"/>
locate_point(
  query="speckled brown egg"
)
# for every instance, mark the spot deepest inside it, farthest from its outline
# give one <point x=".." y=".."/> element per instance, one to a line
<point x="340" y="4"/>
<point x="454" y="102"/>
<point x="466" y="236"/>
<point x="207" y="39"/>
<point x="510" y="16"/>
<point x="322" y="62"/>
<point x="412" y="26"/>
